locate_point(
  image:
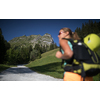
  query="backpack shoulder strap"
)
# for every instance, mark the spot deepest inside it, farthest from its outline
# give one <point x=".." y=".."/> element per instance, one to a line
<point x="72" y="40"/>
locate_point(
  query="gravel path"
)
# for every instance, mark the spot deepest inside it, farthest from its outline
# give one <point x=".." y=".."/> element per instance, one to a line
<point x="22" y="73"/>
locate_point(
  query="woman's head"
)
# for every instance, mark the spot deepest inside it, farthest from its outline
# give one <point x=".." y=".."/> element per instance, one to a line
<point x="67" y="33"/>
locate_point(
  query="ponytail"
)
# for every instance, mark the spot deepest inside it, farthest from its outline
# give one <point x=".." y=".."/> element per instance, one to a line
<point x="75" y="36"/>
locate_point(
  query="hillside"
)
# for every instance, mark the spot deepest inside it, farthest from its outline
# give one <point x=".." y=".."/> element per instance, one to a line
<point x="25" y="41"/>
<point x="48" y="64"/>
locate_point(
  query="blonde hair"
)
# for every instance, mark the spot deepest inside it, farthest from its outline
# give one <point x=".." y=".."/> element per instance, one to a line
<point x="73" y="35"/>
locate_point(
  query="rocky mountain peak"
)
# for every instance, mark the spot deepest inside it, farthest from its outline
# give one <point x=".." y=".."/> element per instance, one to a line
<point x="25" y="41"/>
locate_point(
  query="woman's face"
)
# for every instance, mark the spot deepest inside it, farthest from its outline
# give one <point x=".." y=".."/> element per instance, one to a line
<point x="62" y="34"/>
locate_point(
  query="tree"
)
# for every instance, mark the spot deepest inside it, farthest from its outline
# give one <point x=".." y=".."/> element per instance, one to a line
<point x="43" y="49"/>
<point x="18" y="56"/>
<point x="95" y="28"/>
<point x="10" y="55"/>
<point x="37" y="47"/>
<point x="51" y="46"/>
<point x="99" y="26"/>
<point x="4" y="46"/>
<point x="34" y="55"/>
<point x="55" y="46"/>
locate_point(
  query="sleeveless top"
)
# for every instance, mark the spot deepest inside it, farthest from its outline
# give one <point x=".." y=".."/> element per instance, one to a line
<point x="70" y="45"/>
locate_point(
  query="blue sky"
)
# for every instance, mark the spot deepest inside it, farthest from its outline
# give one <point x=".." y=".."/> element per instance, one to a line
<point x="12" y="28"/>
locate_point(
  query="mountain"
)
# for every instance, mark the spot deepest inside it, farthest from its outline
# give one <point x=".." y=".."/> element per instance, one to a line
<point x="25" y="41"/>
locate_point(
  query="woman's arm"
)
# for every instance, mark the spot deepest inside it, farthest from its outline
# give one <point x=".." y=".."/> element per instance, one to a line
<point x="68" y="53"/>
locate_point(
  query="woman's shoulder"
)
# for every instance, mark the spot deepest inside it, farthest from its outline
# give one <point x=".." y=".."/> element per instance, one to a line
<point x="63" y="41"/>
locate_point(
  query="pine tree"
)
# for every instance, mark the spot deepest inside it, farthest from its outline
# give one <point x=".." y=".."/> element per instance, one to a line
<point x="51" y="46"/>
<point x="4" y="46"/>
<point x="34" y="55"/>
<point x="95" y="28"/>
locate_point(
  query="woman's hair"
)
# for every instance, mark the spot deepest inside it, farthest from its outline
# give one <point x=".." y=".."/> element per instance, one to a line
<point x="73" y="35"/>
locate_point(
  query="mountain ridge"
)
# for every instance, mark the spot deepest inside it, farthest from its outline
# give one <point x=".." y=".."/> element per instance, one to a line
<point x="25" y="41"/>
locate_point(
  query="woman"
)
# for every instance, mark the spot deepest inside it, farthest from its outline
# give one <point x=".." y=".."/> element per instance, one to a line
<point x="67" y="53"/>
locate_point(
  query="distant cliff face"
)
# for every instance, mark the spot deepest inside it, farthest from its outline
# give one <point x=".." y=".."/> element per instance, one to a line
<point x="25" y="41"/>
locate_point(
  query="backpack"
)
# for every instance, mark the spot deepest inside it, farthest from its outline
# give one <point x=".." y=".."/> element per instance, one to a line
<point x="84" y="62"/>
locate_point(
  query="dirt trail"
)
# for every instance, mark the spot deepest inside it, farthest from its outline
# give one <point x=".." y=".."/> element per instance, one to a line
<point x="22" y="73"/>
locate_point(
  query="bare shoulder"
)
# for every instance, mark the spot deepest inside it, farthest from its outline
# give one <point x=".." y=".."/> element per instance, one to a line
<point x="63" y="42"/>
<point x="64" y="45"/>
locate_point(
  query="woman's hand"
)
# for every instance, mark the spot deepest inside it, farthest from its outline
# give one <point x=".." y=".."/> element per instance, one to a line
<point x="58" y="54"/>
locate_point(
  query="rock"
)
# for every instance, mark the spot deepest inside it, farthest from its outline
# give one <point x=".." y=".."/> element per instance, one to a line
<point x="24" y="41"/>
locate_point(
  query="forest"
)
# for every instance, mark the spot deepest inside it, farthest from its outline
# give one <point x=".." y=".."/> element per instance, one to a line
<point x="9" y="55"/>
<point x="88" y="28"/>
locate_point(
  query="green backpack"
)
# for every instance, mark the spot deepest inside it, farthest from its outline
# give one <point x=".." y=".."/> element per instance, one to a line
<point x="84" y="61"/>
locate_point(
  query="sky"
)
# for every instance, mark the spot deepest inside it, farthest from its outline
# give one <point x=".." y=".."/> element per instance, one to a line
<point x="12" y="28"/>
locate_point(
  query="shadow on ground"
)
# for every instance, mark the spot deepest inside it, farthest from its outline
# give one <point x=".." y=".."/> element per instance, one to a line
<point x="16" y="70"/>
<point x="52" y="69"/>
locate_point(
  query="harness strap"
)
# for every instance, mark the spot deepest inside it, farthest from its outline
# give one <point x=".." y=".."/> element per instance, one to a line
<point x="83" y="73"/>
<point x="71" y="68"/>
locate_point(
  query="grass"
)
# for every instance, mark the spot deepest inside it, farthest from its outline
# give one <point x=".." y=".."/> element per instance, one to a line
<point x="97" y="77"/>
<point x="4" y="67"/>
<point x="48" y="65"/>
